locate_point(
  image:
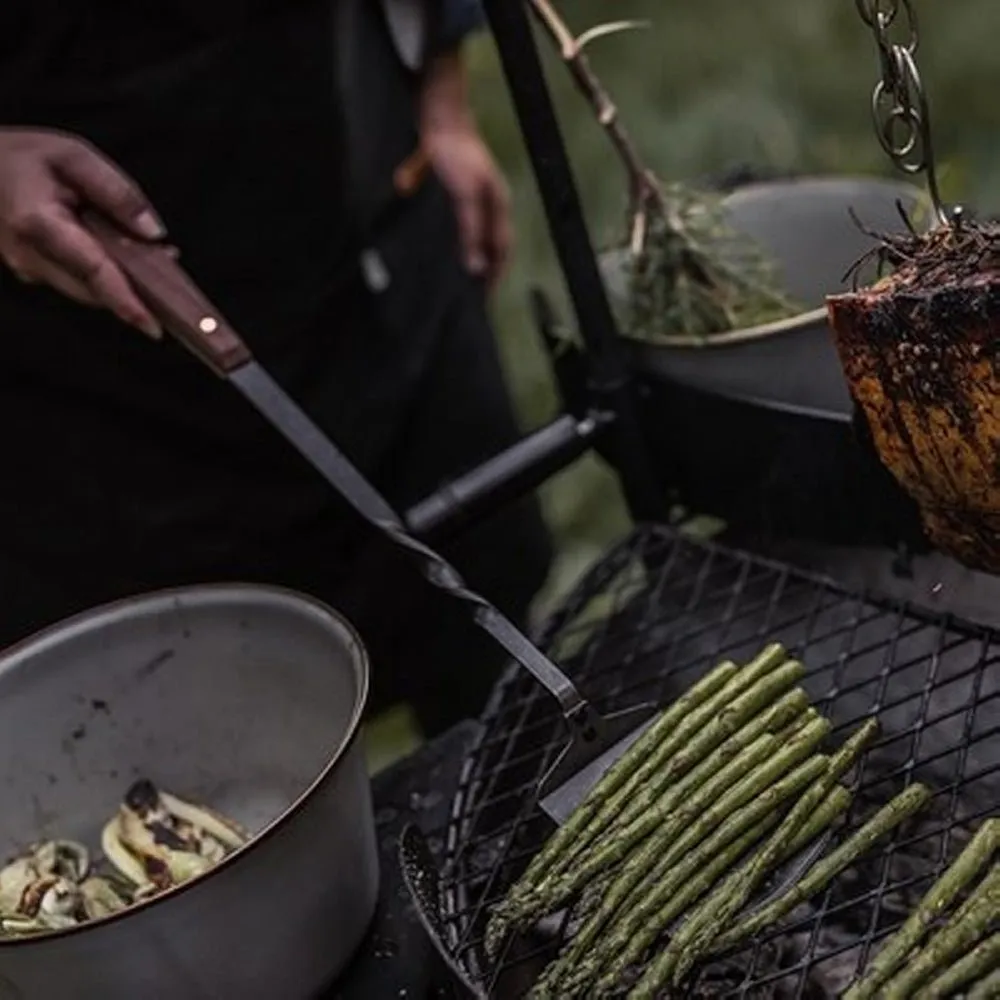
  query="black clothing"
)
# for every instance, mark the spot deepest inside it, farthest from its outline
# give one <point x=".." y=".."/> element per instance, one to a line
<point x="126" y="465"/>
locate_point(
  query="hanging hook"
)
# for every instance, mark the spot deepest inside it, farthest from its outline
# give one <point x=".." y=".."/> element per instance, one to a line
<point x="899" y="102"/>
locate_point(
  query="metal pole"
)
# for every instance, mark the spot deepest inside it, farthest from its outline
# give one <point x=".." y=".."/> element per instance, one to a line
<point x="610" y="381"/>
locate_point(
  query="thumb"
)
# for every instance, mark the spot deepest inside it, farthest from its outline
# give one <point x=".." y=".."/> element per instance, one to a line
<point x="105" y="187"/>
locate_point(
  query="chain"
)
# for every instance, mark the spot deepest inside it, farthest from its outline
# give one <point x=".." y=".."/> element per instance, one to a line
<point x="899" y="104"/>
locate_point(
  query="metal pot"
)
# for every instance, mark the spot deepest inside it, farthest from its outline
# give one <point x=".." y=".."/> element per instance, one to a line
<point x="245" y="698"/>
<point x="755" y="425"/>
<point x="790" y="364"/>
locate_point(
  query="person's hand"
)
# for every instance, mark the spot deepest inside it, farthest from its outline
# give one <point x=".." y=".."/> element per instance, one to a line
<point x="46" y="178"/>
<point x="463" y="163"/>
<point x="468" y="172"/>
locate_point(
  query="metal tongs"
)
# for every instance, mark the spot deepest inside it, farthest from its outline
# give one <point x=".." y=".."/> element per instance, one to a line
<point x="596" y="741"/>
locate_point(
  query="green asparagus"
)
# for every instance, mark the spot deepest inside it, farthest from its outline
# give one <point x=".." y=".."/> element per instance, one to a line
<point x="762" y="789"/>
<point x="967" y="867"/>
<point x="754" y="708"/>
<point x="986" y="989"/>
<point x="901" y="808"/>
<point x="628" y="764"/>
<point x="983" y="959"/>
<point x="961" y="932"/>
<point x="682" y="835"/>
<point x="749" y="692"/>
<point x="703" y="808"/>
<point x="694" y="938"/>
<point x="553" y="892"/>
<point x="821" y="874"/>
<point x="654" y="913"/>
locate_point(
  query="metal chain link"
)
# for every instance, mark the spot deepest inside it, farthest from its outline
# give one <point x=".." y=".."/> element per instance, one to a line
<point x="899" y="103"/>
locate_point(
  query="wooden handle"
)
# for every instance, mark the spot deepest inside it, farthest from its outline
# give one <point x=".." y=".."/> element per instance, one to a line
<point x="173" y="297"/>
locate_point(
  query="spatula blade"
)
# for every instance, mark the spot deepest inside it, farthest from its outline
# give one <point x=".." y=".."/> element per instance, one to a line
<point x="561" y="801"/>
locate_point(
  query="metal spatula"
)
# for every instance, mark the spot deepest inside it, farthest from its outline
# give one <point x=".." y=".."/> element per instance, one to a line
<point x="596" y="741"/>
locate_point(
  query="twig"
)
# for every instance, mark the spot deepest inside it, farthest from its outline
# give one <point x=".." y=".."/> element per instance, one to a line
<point x="645" y="190"/>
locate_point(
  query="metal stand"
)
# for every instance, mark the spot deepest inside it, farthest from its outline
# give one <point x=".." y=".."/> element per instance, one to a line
<point x="611" y="384"/>
<point x="607" y="407"/>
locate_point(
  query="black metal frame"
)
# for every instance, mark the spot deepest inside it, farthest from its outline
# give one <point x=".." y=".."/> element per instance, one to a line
<point x="671" y="607"/>
<point x="610" y="410"/>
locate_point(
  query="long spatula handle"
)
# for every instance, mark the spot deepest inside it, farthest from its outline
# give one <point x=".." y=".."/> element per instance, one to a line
<point x="188" y="315"/>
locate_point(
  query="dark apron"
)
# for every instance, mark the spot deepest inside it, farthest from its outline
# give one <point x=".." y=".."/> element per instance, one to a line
<point x="128" y="465"/>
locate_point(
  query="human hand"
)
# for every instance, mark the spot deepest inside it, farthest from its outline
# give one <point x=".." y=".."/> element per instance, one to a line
<point x="468" y="172"/>
<point x="464" y="165"/>
<point x="46" y="179"/>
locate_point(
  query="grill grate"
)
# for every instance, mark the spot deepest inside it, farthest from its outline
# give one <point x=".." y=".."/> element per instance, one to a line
<point x="649" y="619"/>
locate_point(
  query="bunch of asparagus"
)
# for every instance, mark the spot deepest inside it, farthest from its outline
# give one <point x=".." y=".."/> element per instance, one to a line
<point x="724" y="787"/>
<point x="934" y="955"/>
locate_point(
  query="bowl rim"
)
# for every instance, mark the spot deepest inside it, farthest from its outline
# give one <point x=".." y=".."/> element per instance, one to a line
<point x="798" y="321"/>
<point x="170" y="599"/>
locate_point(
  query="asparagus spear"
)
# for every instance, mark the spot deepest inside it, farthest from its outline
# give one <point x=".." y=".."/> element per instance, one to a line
<point x="762" y="790"/>
<point x="705" y="807"/>
<point x="962" y="931"/>
<point x="698" y="733"/>
<point x="695" y="937"/>
<point x="688" y="882"/>
<point x="986" y="989"/>
<point x="571" y="976"/>
<point x="797" y="724"/>
<point x="628" y="764"/>
<point x="984" y="958"/>
<point x="821" y="874"/>
<point x="746" y="709"/>
<point x="967" y="867"/>
<point x="826" y="869"/>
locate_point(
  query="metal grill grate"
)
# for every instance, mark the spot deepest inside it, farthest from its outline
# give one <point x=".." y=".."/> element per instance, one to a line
<point x="653" y="616"/>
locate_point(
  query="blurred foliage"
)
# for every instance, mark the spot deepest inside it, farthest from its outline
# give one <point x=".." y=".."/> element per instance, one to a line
<point x="709" y="86"/>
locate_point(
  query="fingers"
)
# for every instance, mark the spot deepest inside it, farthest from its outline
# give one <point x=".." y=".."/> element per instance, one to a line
<point x="33" y="269"/>
<point x="58" y="251"/>
<point x="105" y="187"/>
<point x="472" y="222"/>
<point x="499" y="231"/>
<point x="485" y="229"/>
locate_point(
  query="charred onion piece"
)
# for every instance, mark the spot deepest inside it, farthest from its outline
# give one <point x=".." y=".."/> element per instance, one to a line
<point x="919" y="350"/>
<point x="42" y="882"/>
<point x="158" y="840"/>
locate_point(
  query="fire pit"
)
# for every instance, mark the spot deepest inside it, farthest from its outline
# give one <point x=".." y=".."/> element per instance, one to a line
<point x="654" y="615"/>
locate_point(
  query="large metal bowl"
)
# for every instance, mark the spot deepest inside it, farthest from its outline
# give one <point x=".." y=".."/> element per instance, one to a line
<point x="245" y="698"/>
<point x="755" y="425"/>
<point x="806" y="227"/>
